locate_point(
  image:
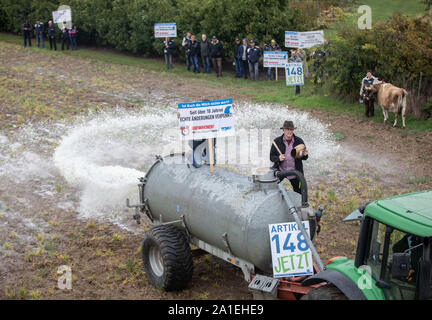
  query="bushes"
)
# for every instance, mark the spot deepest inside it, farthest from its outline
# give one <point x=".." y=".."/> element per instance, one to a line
<point x="128" y="24"/>
<point x="397" y="51"/>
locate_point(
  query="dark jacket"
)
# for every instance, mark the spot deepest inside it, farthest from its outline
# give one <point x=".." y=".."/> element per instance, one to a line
<point x="39" y="28"/>
<point x="274" y="154"/>
<point x="64" y="33"/>
<point x="170" y="48"/>
<point x="26" y="28"/>
<point x="238" y="51"/>
<point x="205" y="48"/>
<point x="216" y="49"/>
<point x="186" y="43"/>
<point x="51" y="31"/>
<point x="195" y="49"/>
<point x="269" y="47"/>
<point x="253" y="54"/>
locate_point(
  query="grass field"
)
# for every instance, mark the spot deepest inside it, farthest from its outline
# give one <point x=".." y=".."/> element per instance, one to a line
<point x="260" y="91"/>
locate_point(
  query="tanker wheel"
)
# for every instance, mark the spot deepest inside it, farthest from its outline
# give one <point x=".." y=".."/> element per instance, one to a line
<point x="167" y="258"/>
<point x="326" y="292"/>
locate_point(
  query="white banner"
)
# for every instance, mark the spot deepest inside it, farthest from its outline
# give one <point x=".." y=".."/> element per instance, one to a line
<point x="291" y="255"/>
<point x="164" y="30"/>
<point x="207" y="119"/>
<point x="308" y="39"/>
<point x="62" y="16"/>
<point x="294" y="74"/>
<point x="274" y="59"/>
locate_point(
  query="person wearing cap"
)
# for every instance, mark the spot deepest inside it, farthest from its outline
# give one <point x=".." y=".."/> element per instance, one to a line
<point x="273" y="46"/>
<point x="368" y="99"/>
<point x="253" y="55"/>
<point x="237" y="58"/>
<point x="39" y="30"/>
<point x="216" y="54"/>
<point x="284" y="160"/>
<point x="244" y="65"/>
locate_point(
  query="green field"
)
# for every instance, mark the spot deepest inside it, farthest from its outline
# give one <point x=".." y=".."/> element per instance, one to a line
<point x="260" y="91"/>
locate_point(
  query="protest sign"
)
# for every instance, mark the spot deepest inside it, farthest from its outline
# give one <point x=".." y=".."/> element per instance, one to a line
<point x="294" y="74"/>
<point x="164" y="30"/>
<point x="291" y="255"/>
<point x="61" y="16"/>
<point x="308" y="39"/>
<point x="274" y="59"/>
<point x="207" y="119"/>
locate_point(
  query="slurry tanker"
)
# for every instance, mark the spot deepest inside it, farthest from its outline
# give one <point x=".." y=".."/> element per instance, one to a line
<point x="228" y="214"/>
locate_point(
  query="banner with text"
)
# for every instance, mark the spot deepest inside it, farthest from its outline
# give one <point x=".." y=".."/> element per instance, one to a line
<point x="291" y="255"/>
<point x="164" y="30"/>
<point x="294" y="74"/>
<point x="62" y="16"/>
<point x="273" y="59"/>
<point x="308" y="39"/>
<point x="207" y="119"/>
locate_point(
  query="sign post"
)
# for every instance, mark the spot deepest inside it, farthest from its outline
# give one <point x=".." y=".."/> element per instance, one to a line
<point x="164" y="30"/>
<point x="291" y="255"/>
<point x="308" y="39"/>
<point x="275" y="59"/>
<point x="206" y="120"/>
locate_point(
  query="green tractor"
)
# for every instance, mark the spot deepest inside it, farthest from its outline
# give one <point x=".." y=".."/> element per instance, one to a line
<point x="393" y="258"/>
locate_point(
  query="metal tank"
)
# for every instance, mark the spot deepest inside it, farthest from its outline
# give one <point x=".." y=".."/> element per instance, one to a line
<point x="224" y="209"/>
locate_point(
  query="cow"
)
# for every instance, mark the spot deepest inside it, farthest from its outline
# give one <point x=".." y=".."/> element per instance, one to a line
<point x="391" y="98"/>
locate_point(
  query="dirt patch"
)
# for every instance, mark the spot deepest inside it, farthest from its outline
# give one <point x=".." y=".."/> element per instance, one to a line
<point x="40" y="228"/>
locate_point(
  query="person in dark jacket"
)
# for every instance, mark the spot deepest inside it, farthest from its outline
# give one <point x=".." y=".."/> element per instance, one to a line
<point x="205" y="53"/>
<point x="368" y="99"/>
<point x="39" y="31"/>
<point x="284" y="161"/>
<point x="168" y="48"/>
<point x="185" y="44"/>
<point x="273" y="46"/>
<point x="195" y="49"/>
<point x="73" y="36"/>
<point x="237" y="58"/>
<point x="27" y="33"/>
<point x="216" y="54"/>
<point x="253" y="55"/>
<point x="51" y="31"/>
<point x="64" y="36"/>
<point x="242" y="52"/>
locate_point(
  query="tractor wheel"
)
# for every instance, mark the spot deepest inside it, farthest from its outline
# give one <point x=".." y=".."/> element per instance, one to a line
<point x="326" y="292"/>
<point x="167" y="258"/>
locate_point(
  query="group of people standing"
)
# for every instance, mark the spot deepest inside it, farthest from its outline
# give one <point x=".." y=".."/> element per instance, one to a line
<point x="68" y="36"/>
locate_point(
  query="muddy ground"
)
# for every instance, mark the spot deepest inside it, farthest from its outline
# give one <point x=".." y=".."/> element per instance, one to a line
<point x="39" y="225"/>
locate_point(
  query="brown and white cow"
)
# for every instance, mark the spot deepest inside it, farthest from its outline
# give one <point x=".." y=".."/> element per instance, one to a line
<point x="391" y="98"/>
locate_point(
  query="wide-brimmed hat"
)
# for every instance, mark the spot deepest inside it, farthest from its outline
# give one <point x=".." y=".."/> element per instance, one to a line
<point x="288" y="124"/>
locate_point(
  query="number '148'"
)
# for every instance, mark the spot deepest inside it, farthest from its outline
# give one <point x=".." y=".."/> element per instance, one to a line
<point x="287" y="245"/>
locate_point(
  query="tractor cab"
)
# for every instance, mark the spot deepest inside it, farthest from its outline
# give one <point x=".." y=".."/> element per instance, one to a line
<point x="393" y="257"/>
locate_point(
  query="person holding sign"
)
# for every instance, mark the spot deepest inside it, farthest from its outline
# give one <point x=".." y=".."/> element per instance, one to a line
<point x="273" y="46"/>
<point x="295" y="57"/>
<point x="168" y="47"/>
<point x="288" y="153"/>
<point x="64" y="37"/>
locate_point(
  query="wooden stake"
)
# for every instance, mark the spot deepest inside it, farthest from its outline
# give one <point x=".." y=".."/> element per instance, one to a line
<point x="210" y="151"/>
<point x="274" y="143"/>
<point x="276" y="74"/>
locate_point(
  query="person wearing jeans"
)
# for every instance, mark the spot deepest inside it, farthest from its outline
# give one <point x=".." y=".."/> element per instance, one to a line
<point x="205" y="53"/>
<point x="243" y="58"/>
<point x="39" y="30"/>
<point x="253" y="59"/>
<point x="168" y="47"/>
<point x="237" y="58"/>
<point x="273" y="46"/>
<point x="195" y="49"/>
<point x="73" y="37"/>
<point x="185" y="44"/>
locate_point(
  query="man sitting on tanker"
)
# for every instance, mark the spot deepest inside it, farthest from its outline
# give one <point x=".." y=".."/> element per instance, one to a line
<point x="287" y="153"/>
